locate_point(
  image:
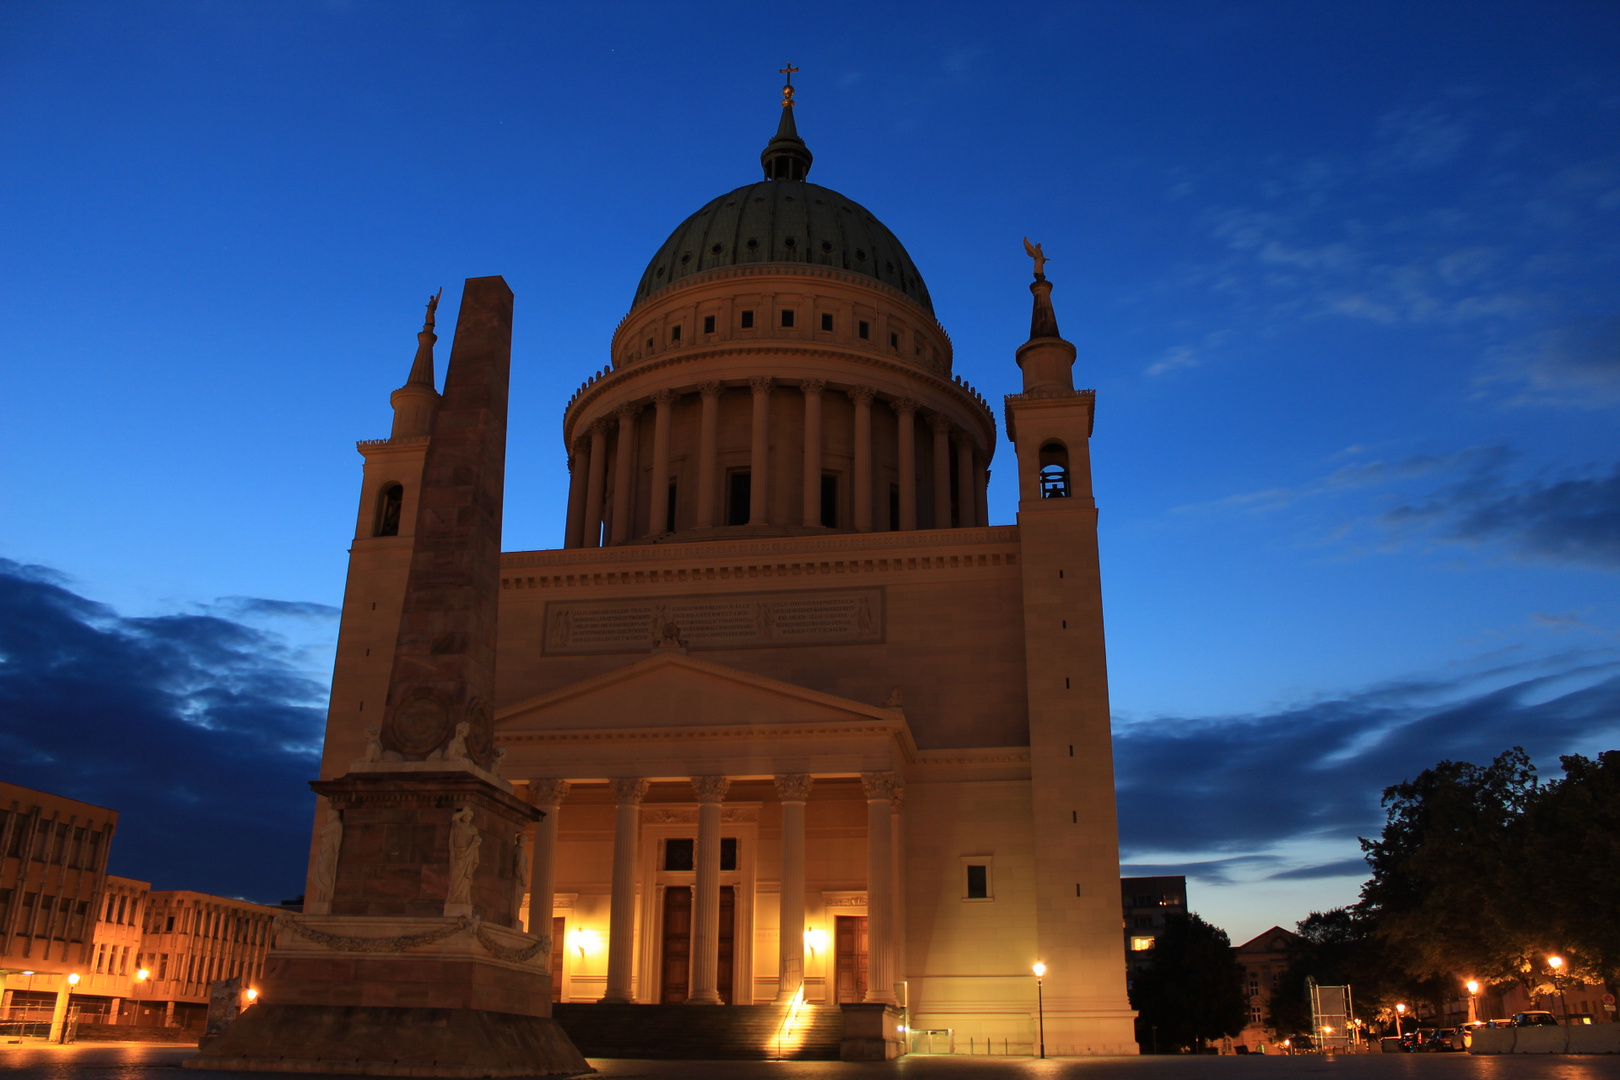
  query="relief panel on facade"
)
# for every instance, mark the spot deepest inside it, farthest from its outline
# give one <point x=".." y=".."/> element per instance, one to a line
<point x="716" y="621"/>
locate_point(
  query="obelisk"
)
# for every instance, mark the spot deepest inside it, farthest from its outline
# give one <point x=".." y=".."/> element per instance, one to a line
<point x="413" y="961"/>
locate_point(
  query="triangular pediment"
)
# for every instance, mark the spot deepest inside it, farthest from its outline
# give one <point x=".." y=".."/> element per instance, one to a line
<point x="674" y="690"/>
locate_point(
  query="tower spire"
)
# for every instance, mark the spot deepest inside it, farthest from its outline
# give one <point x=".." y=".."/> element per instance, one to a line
<point x="1046" y="359"/>
<point x="416" y="404"/>
<point x="786" y="157"/>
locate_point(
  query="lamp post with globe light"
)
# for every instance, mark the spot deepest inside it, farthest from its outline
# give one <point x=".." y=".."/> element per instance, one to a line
<point x="1473" y="1000"/>
<point x="1400" y="1011"/>
<point x="1557" y="964"/>
<point x="1040" y="1004"/>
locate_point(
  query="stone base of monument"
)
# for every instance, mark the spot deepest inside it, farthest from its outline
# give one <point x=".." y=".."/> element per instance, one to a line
<point x="363" y="1040"/>
<point x="389" y="996"/>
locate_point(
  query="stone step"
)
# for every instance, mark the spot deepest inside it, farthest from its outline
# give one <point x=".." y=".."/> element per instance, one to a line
<point x="699" y="1032"/>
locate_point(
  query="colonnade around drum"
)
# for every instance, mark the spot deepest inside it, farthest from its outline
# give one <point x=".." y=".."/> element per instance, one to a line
<point x="588" y="479"/>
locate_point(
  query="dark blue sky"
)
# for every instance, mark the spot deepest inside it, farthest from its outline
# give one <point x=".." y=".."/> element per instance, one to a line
<point x="1346" y="279"/>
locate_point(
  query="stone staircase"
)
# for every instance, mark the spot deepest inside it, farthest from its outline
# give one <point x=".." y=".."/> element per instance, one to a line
<point x="702" y="1032"/>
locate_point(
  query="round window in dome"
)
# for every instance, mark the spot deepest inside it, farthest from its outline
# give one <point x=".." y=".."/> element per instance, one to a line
<point x="826" y="245"/>
<point x="717" y="249"/>
<point x="789" y="242"/>
<point x="687" y="257"/>
<point x="660" y="272"/>
<point x="753" y="242"/>
<point x="859" y="254"/>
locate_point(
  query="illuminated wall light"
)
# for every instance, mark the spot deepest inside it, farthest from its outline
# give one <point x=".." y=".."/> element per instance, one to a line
<point x="815" y="939"/>
<point x="73" y="979"/>
<point x="585" y="940"/>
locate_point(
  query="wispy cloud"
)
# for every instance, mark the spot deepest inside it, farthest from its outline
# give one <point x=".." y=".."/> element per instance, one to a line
<point x="196" y="726"/>
<point x="1231" y="793"/>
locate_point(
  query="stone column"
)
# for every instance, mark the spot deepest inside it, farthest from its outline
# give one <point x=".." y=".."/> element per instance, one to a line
<point x="59" y="1014"/>
<point x="981" y="485"/>
<point x="168" y="1013"/>
<point x="710" y="791"/>
<point x="708" y="454"/>
<point x="759" y="451"/>
<point x="624" y="473"/>
<point x="658" y="516"/>
<point x="942" y="470"/>
<point x="548" y="796"/>
<point x="577" y="467"/>
<point x="898" y="848"/>
<point x="629" y="791"/>
<point x="879" y="787"/>
<point x="793" y="789"/>
<point x="965" y="498"/>
<point x="597" y="480"/>
<point x="812" y="389"/>
<point x="906" y="410"/>
<point x="862" y="487"/>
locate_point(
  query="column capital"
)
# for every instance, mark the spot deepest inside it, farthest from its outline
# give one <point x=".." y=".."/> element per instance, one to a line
<point x="896" y="799"/>
<point x="663" y="399"/>
<point x="794" y="787"/>
<point x="629" y="790"/>
<point x="861" y="395"/>
<point x="879" y="786"/>
<point x="600" y="426"/>
<point x="548" y="792"/>
<point x="812" y="386"/>
<point x="904" y="406"/>
<point x="711" y="389"/>
<point x="710" y="789"/>
<point x="761" y="384"/>
<point x="628" y="412"/>
<point x="939" y="422"/>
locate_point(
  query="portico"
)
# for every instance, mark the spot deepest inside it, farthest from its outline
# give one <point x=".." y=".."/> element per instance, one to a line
<point x="681" y="832"/>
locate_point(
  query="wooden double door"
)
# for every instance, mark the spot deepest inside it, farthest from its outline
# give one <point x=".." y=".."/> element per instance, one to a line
<point x="849" y="959"/>
<point x="676" y="956"/>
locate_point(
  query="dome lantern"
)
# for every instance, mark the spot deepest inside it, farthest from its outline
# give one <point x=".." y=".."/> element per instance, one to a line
<point x="786" y="157"/>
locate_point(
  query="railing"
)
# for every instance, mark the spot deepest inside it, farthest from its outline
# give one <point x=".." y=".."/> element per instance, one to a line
<point x="786" y="1030"/>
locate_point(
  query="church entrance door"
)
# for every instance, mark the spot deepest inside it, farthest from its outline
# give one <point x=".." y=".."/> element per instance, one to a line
<point x="849" y="959"/>
<point x="677" y="954"/>
<point x="728" y="941"/>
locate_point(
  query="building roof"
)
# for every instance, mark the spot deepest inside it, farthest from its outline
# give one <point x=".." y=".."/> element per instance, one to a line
<point x="784" y="220"/>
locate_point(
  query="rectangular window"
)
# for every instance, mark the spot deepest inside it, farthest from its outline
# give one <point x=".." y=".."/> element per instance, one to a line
<point x="737" y="508"/>
<point x="669" y="514"/>
<point x="674" y="333"/>
<point x="1141" y="944"/>
<point x="978" y="882"/>
<point x="748" y="320"/>
<point x="708" y="324"/>
<point x="168" y="925"/>
<point x="894" y="507"/>
<point x="678" y="853"/>
<point x="728" y="853"/>
<point x="163" y="966"/>
<point x="826" y="322"/>
<point x="864" y="330"/>
<point x="894" y="340"/>
<point x="829" y="501"/>
<point x="787" y="317"/>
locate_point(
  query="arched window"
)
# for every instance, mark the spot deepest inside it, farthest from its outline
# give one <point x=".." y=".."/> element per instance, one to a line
<point x="1054" y="471"/>
<point x="389" y="501"/>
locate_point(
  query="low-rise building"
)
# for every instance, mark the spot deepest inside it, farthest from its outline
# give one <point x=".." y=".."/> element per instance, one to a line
<point x="1264" y="961"/>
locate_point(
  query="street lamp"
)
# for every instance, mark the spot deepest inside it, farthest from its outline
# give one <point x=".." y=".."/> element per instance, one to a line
<point x="1040" y="1003"/>
<point x="1400" y="1011"/>
<point x="1556" y="963"/>
<point x="1473" y="1008"/>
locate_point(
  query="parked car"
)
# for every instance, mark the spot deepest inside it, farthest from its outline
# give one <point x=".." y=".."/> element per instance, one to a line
<point x="1415" y="1039"/>
<point x="1444" y="1040"/>
<point x="1466" y="1032"/>
<point x="1535" y="1018"/>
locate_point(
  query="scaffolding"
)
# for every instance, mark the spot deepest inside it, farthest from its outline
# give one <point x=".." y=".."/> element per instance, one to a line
<point x="1332" y="1025"/>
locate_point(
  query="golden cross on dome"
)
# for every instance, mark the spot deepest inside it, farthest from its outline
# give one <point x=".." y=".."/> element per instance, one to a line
<point x="787" y="91"/>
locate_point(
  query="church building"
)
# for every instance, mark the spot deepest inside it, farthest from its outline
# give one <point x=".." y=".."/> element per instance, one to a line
<point x="803" y="723"/>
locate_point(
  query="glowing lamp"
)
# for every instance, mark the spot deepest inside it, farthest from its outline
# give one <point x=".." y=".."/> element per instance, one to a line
<point x="586" y="940"/>
<point x="252" y="995"/>
<point x="1473" y="986"/>
<point x="1555" y="962"/>
<point x="1400" y="1008"/>
<point x="815" y="940"/>
<point x="1040" y="969"/>
<point x="142" y="975"/>
<point x="73" y="979"/>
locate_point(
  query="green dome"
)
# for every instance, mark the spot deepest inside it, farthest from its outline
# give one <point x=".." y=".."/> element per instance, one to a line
<point x="784" y="221"/>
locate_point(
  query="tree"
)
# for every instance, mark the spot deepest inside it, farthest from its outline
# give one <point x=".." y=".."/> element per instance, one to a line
<point x="1192" y="988"/>
<point x="1449" y="858"/>
<point x="1569" y="852"/>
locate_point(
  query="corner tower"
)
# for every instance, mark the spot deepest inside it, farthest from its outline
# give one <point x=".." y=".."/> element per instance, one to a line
<point x="1071" y="748"/>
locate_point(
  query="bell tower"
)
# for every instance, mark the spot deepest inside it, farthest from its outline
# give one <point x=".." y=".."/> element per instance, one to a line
<point x="380" y="561"/>
<point x="1071" y="748"/>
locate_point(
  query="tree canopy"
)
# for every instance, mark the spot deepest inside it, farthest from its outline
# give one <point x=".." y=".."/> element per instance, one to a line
<point x="1191" y="989"/>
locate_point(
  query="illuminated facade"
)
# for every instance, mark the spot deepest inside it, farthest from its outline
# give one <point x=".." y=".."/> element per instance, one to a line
<point x="802" y="720"/>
